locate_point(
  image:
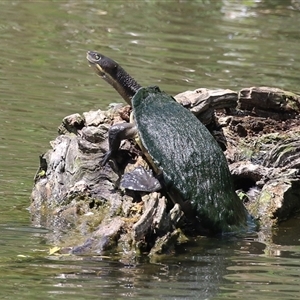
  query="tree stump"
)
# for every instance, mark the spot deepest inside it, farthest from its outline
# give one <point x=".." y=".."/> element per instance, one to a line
<point x="86" y="212"/>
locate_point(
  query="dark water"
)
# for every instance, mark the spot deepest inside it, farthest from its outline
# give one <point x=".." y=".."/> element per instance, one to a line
<point x="178" y="45"/>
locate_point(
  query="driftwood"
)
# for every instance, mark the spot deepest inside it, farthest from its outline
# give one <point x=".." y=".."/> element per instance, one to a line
<point x="80" y="202"/>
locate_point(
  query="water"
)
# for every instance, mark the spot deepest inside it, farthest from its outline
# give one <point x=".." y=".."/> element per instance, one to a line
<point x="178" y="45"/>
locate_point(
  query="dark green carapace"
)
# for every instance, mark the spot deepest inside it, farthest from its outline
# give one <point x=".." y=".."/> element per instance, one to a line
<point x="190" y="158"/>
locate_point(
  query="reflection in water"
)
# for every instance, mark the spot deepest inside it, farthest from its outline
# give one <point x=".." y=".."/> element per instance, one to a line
<point x="178" y="45"/>
<point x="149" y="281"/>
<point x="198" y="273"/>
<point x="216" y="268"/>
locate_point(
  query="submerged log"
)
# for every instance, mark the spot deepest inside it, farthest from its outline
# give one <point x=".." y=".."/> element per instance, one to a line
<point x="87" y="213"/>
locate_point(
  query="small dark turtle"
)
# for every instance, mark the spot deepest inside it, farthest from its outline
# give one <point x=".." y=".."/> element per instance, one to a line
<point x="193" y="166"/>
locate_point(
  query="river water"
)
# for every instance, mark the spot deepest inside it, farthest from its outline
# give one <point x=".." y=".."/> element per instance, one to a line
<point x="177" y="45"/>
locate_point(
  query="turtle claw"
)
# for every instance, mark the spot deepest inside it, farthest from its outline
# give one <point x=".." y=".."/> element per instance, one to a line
<point x="106" y="158"/>
<point x="140" y="180"/>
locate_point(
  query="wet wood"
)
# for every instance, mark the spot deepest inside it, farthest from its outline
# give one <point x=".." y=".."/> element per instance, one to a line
<point x="259" y="128"/>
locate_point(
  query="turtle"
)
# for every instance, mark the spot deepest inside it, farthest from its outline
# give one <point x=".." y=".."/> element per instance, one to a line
<point x="192" y="167"/>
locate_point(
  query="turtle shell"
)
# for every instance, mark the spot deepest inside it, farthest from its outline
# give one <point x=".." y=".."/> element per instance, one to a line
<point x="189" y="157"/>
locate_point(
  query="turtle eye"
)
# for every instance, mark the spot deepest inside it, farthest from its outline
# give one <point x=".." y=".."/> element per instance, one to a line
<point x="97" y="57"/>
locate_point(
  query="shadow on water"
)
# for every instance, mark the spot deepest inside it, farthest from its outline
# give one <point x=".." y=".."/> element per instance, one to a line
<point x="177" y="45"/>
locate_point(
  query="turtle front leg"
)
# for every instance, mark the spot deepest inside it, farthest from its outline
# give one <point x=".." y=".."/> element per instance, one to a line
<point x="116" y="134"/>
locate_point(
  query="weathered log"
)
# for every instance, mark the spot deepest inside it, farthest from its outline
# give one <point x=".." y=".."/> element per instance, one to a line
<point x="203" y="102"/>
<point x="73" y="193"/>
<point x="269" y="102"/>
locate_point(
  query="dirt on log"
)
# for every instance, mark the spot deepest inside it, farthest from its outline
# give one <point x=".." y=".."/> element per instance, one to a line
<point x="87" y="213"/>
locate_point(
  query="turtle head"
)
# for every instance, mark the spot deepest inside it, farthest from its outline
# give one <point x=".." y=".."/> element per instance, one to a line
<point x="102" y="65"/>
